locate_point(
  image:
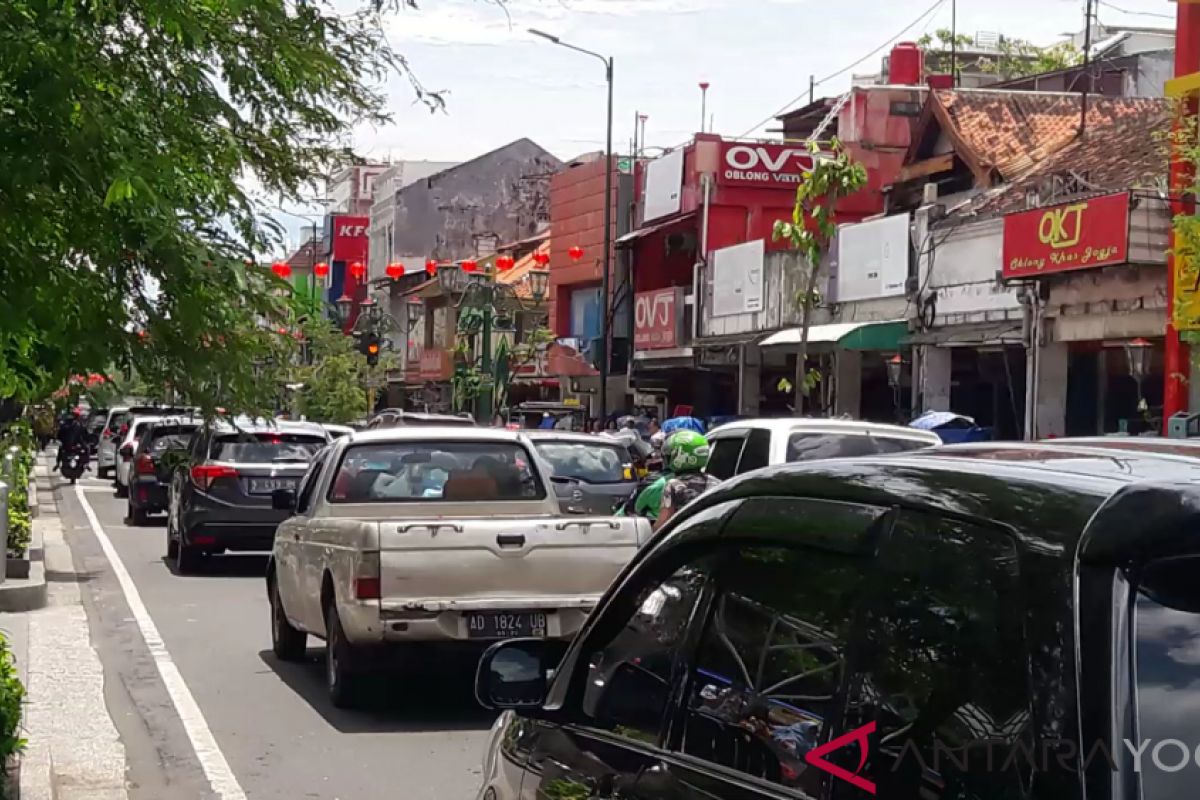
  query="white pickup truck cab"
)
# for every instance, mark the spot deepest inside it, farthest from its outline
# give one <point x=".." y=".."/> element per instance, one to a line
<point x="419" y="536"/>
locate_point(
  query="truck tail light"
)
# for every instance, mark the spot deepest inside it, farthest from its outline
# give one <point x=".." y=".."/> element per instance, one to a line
<point x="145" y="465"/>
<point x="367" y="583"/>
<point x="203" y="475"/>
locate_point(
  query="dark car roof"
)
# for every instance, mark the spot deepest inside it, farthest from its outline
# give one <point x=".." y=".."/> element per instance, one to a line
<point x="1046" y="495"/>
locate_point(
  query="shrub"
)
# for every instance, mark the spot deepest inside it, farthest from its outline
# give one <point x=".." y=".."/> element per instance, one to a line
<point x="12" y="694"/>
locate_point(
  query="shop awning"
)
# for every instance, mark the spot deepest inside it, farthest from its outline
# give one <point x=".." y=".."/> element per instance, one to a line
<point x="649" y="230"/>
<point x="975" y="335"/>
<point x="846" y="335"/>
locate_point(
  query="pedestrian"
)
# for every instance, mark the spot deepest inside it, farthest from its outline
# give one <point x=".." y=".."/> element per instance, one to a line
<point x="685" y="454"/>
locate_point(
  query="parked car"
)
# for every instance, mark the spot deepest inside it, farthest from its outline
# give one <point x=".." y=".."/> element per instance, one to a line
<point x="591" y="474"/>
<point x="160" y="450"/>
<point x="395" y="417"/>
<point x="134" y="431"/>
<point x="94" y="426"/>
<point x="117" y="426"/>
<point x="751" y="444"/>
<point x="337" y="431"/>
<point x="835" y="628"/>
<point x="407" y="538"/>
<point x="106" y="448"/>
<point x="220" y="498"/>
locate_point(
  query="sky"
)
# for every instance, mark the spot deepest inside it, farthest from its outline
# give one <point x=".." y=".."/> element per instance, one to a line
<point x="502" y="83"/>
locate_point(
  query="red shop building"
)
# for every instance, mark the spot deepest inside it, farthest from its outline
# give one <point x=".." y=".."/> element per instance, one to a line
<point x="712" y="205"/>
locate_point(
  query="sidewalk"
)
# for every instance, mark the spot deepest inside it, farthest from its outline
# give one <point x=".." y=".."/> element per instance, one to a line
<point x="74" y="751"/>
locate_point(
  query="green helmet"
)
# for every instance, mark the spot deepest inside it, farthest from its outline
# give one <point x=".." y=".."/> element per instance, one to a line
<point x="685" y="451"/>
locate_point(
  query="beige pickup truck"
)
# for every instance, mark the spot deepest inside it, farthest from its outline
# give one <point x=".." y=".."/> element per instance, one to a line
<point x="418" y="537"/>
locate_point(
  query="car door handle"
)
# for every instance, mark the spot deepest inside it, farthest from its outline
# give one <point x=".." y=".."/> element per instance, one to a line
<point x="296" y="537"/>
<point x="511" y="540"/>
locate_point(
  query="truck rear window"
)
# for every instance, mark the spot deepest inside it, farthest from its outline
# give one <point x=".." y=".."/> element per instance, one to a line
<point x="462" y="472"/>
<point x="265" y="448"/>
<point x="811" y="446"/>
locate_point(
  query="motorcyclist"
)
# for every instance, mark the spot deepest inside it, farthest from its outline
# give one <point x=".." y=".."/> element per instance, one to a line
<point x="685" y="454"/>
<point x="71" y="434"/>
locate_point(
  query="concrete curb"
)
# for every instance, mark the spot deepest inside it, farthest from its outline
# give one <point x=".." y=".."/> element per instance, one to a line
<point x="27" y="594"/>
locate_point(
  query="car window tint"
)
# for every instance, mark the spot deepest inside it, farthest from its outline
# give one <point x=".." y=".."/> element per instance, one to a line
<point x="757" y="452"/>
<point x="265" y="448"/>
<point x="410" y="471"/>
<point x="630" y="678"/>
<point x="171" y="439"/>
<point x="1167" y="630"/>
<point x="943" y="661"/>
<point x="811" y="446"/>
<point x="309" y="484"/>
<point x="771" y="660"/>
<point x="722" y="461"/>
<point x="587" y="462"/>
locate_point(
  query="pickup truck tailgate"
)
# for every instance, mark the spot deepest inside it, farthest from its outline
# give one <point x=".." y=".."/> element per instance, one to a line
<point x="464" y="563"/>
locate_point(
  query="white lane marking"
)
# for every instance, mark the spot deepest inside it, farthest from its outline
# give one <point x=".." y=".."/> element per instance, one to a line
<point x="212" y="760"/>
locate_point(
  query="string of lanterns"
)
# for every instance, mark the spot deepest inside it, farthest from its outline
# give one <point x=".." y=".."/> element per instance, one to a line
<point x="396" y="269"/>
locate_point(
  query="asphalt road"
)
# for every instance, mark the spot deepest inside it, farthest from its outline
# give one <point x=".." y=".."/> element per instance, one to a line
<point x="419" y="736"/>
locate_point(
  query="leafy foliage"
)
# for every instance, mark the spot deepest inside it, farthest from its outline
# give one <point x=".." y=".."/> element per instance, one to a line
<point x="12" y="696"/>
<point x="131" y="132"/>
<point x="1014" y="58"/>
<point x="19" y="434"/>
<point x="810" y="231"/>
<point x="333" y="384"/>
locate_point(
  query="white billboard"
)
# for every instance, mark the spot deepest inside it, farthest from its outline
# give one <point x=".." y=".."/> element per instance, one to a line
<point x="737" y="275"/>
<point x="873" y="259"/>
<point x="664" y="186"/>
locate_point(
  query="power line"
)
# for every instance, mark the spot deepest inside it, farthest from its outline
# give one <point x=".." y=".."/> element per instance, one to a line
<point x="1135" y="13"/>
<point x="846" y="69"/>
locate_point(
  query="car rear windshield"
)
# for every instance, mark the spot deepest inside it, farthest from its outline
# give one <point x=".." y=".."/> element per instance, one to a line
<point x="810" y="446"/>
<point x="1167" y="632"/>
<point x="173" y="437"/>
<point x="265" y="447"/>
<point x="403" y="472"/>
<point x="586" y="461"/>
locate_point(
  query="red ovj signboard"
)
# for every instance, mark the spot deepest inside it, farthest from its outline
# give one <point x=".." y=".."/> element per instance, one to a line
<point x="656" y="318"/>
<point x="1085" y="234"/>
<point x="764" y="165"/>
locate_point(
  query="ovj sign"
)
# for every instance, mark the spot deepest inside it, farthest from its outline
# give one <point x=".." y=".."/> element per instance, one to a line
<point x="763" y="164"/>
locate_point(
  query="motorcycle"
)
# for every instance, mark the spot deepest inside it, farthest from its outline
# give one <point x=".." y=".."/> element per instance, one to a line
<point x="75" y="462"/>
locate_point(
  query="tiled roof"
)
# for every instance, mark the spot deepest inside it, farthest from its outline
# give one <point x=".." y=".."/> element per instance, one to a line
<point x="1013" y="133"/>
<point x="1122" y="148"/>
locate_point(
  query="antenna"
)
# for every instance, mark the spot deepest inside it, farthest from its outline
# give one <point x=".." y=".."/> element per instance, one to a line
<point x="703" y="104"/>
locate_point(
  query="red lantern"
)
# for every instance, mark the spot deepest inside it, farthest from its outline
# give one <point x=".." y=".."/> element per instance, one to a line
<point x="321" y="269"/>
<point x="541" y="259"/>
<point x="431" y="267"/>
<point x="504" y="263"/>
<point x="394" y="270"/>
<point x="469" y="266"/>
<point x="575" y="253"/>
<point x="358" y="270"/>
<point x="282" y="269"/>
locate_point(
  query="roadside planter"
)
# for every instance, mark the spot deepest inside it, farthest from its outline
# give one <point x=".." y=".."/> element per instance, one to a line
<point x="16" y="521"/>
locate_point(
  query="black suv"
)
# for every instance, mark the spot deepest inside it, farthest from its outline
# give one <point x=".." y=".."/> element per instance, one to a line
<point x="969" y="622"/>
<point x="163" y="448"/>
<point x="220" y="497"/>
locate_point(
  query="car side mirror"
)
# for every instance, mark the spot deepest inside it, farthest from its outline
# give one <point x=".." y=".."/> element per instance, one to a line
<point x="516" y="673"/>
<point x="127" y="451"/>
<point x="283" y="500"/>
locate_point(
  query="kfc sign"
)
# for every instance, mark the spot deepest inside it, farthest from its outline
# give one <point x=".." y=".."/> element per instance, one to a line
<point x="349" y="238"/>
<point x="773" y="165"/>
<point x="656" y="318"/>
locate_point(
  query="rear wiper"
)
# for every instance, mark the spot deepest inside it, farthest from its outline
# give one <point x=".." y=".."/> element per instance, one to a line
<point x="289" y="460"/>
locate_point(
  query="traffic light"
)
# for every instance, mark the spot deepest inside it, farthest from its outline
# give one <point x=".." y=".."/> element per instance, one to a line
<point x="368" y="345"/>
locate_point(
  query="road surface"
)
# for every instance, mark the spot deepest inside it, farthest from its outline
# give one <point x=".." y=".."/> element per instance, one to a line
<point x="258" y="728"/>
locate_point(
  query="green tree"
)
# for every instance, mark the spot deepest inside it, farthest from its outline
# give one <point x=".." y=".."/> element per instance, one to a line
<point x="334" y="390"/>
<point x="810" y="231"/>
<point x="1014" y="58"/>
<point x="133" y="132"/>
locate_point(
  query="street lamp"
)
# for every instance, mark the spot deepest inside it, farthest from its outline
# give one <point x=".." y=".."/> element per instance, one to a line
<point x="608" y="201"/>
<point x="343" y="305"/>
<point x="1138" y="353"/>
<point x="481" y="292"/>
